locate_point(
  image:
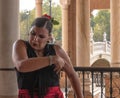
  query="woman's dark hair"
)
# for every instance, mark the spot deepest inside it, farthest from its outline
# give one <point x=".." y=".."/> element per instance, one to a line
<point x="43" y="22"/>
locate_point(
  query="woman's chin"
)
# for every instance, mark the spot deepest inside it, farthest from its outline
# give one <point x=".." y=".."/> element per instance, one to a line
<point x="35" y="47"/>
<point x="38" y="49"/>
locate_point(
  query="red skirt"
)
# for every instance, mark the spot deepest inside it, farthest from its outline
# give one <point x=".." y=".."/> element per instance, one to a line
<point x="53" y="92"/>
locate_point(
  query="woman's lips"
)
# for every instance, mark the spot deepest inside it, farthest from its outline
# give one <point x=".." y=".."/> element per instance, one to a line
<point x="34" y="44"/>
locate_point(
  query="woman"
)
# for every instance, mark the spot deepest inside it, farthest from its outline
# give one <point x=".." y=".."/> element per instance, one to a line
<point x="38" y="63"/>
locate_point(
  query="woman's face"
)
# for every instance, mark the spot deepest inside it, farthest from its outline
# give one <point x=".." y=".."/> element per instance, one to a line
<point x="39" y="37"/>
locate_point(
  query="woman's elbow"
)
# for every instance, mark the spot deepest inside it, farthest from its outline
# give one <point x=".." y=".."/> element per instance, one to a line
<point x="20" y="66"/>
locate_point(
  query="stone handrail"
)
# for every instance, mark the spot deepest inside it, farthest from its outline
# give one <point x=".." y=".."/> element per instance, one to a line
<point x="100" y="47"/>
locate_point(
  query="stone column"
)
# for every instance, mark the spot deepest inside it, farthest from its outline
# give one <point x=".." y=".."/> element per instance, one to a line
<point x="65" y="4"/>
<point x="115" y="33"/>
<point x="83" y="39"/>
<point x="9" y="12"/>
<point x="38" y="4"/>
<point x="83" y="32"/>
<point x="72" y="31"/>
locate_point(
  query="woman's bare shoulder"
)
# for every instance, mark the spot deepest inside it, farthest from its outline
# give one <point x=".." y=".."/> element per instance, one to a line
<point x="59" y="50"/>
<point x="19" y="43"/>
<point x="57" y="46"/>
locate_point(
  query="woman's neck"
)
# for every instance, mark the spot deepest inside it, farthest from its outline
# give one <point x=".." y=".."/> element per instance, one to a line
<point x="39" y="53"/>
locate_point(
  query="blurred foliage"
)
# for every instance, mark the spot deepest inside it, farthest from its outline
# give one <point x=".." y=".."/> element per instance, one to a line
<point x="26" y="18"/>
<point x="100" y="23"/>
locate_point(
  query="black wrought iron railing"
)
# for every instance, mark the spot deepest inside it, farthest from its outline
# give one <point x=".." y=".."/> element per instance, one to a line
<point x="7" y="69"/>
<point x="105" y="80"/>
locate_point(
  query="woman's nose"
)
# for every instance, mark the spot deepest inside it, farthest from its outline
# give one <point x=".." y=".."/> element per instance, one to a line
<point x="36" y="38"/>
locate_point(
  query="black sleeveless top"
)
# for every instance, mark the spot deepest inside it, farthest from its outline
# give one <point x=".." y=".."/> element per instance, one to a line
<point x="38" y="80"/>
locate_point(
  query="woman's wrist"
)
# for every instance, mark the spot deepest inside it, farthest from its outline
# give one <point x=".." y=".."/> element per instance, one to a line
<point x="50" y="60"/>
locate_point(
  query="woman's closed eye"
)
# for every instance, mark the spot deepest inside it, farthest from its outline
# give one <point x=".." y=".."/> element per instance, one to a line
<point x="41" y="36"/>
<point x="34" y="34"/>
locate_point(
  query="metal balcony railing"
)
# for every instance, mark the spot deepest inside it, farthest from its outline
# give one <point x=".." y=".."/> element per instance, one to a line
<point x="101" y="82"/>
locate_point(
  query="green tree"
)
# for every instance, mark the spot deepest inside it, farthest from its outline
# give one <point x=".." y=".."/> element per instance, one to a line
<point x="100" y="24"/>
<point x="26" y="18"/>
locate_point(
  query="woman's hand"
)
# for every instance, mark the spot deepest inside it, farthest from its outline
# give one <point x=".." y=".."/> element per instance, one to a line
<point x="59" y="62"/>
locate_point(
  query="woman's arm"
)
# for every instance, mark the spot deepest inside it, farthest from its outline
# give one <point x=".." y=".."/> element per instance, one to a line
<point x="68" y="68"/>
<point x="25" y="64"/>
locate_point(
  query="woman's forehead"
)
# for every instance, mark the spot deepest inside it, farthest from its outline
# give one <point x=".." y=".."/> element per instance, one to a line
<point x="39" y="29"/>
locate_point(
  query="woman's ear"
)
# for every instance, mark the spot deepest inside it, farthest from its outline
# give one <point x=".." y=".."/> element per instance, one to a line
<point x="51" y="38"/>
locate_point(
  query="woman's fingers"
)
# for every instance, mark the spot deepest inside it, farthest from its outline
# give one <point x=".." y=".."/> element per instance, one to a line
<point x="58" y="68"/>
<point x="59" y="64"/>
